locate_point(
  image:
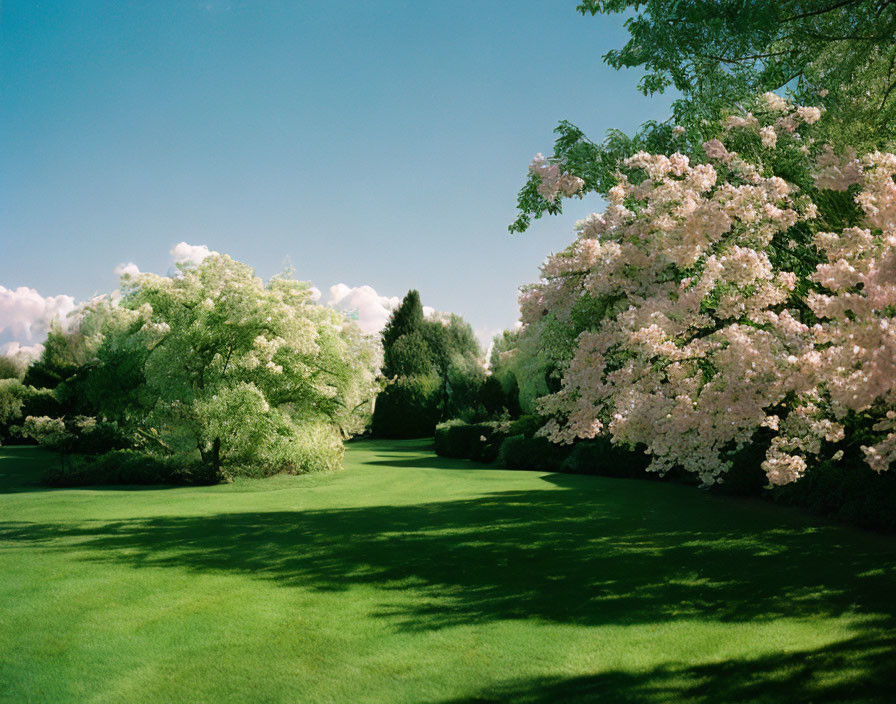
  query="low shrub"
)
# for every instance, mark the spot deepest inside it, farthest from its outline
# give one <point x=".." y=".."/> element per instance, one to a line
<point x="127" y="467"/>
<point x="471" y="441"/>
<point x="520" y="452"/>
<point x="526" y="425"/>
<point x="79" y="435"/>
<point x="317" y="447"/>
<point x="850" y="492"/>
<point x="602" y="457"/>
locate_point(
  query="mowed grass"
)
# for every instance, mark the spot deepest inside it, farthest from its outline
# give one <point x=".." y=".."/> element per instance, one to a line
<point x="410" y="578"/>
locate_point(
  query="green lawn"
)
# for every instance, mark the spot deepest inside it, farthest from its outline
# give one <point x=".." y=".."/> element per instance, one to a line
<point x="409" y="578"/>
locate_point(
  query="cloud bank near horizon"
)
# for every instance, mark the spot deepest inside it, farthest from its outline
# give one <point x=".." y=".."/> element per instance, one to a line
<point x="26" y="316"/>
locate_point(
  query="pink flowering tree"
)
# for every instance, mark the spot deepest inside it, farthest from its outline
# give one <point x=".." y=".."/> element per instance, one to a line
<point x="752" y="293"/>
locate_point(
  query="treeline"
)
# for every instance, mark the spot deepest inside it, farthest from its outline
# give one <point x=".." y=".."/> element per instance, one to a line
<point x="432" y="371"/>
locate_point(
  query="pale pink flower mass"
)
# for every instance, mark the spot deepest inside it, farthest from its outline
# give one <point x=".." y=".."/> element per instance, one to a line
<point x="700" y="343"/>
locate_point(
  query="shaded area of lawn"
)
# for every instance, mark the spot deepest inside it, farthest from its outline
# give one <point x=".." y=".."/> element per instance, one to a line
<point x="857" y="670"/>
<point x="568" y="550"/>
<point x="538" y="555"/>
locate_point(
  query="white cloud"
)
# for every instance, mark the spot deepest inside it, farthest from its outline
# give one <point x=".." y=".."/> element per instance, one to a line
<point x="362" y="304"/>
<point x="486" y="335"/>
<point x="26" y="315"/>
<point x="25" y="352"/>
<point x="130" y="269"/>
<point x="192" y="254"/>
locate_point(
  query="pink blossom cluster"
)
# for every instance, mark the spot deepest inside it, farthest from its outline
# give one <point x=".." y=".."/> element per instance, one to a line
<point x="702" y="340"/>
<point x="553" y="181"/>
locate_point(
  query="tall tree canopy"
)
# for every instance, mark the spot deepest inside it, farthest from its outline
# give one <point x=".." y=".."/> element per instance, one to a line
<point x="837" y="54"/>
<point x="431" y="367"/>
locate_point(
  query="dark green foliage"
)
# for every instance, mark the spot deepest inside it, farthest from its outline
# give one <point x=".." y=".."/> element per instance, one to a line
<point x="746" y="476"/>
<point x="520" y="452"/>
<point x="445" y="351"/>
<point x="407" y="318"/>
<point x="64" y="354"/>
<point x="491" y="396"/>
<point x="451" y="339"/>
<point x="86" y="436"/>
<point x="471" y="441"/>
<point x="602" y="457"/>
<point x="716" y="53"/>
<point x="40" y="402"/>
<point x="850" y="492"/>
<point x="463" y="383"/>
<point x="496" y="401"/>
<point x="512" y="396"/>
<point x="482" y="441"/>
<point x="527" y="425"/>
<point x="11" y="368"/>
<point x="410" y="355"/>
<point x="408" y="407"/>
<point x="128" y="467"/>
<point x="114" y="384"/>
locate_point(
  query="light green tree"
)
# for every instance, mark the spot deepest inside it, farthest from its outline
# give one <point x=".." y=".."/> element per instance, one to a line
<point x="256" y="378"/>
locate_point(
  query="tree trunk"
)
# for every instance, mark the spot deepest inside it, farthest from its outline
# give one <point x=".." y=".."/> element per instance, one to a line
<point x="216" y="459"/>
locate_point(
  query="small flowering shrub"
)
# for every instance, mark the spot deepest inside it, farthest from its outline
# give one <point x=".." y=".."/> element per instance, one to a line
<point x="755" y="290"/>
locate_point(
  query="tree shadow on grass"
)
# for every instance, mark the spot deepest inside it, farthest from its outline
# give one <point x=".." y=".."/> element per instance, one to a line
<point x="22" y="467"/>
<point x="590" y="558"/>
<point x="860" y="669"/>
<point x="586" y="551"/>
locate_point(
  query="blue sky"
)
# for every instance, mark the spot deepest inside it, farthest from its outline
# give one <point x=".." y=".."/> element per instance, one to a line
<point x="370" y="143"/>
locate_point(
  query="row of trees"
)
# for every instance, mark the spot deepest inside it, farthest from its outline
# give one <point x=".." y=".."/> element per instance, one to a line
<point x="432" y="370"/>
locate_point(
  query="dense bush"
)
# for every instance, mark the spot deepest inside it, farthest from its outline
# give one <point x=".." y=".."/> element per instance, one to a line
<point x="746" y="476"/>
<point x="408" y="407"/>
<point x="11" y="401"/>
<point x="17" y="402"/>
<point x="602" y="457"/>
<point x="520" y="452"/>
<point x="491" y="396"/>
<point x="128" y="467"/>
<point x="80" y="435"/>
<point x="527" y="425"/>
<point x="848" y="492"/>
<point x="40" y="402"/>
<point x="472" y="441"/>
<point x="463" y="384"/>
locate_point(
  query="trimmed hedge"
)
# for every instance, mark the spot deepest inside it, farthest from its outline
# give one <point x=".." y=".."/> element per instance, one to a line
<point x="127" y="467"/>
<point x="849" y="492"/>
<point x="602" y="457"/>
<point x="470" y="441"/>
<point x="520" y="452"/>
